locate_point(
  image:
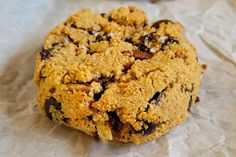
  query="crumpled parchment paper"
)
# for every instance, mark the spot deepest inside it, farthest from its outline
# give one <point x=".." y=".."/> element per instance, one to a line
<point x="211" y="126"/>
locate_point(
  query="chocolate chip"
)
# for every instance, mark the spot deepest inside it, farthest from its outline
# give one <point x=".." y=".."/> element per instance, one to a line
<point x="168" y="41"/>
<point x="156" y="97"/>
<point x="158" y="23"/>
<point x="90" y="117"/>
<point x="104" y="81"/>
<point x="127" y="66"/>
<point x="103" y="14"/>
<point x="114" y="121"/>
<point x="129" y="40"/>
<point x="147" y="38"/>
<point x="52" y="90"/>
<point x="142" y="47"/>
<point x="147" y="108"/>
<point x="51" y="102"/>
<point x="151" y="127"/>
<point x="73" y="25"/>
<point x="97" y="96"/>
<point x="109" y="18"/>
<point x="90" y="31"/>
<point x="154" y="100"/>
<point x="99" y="38"/>
<point x="46" y="53"/>
<point x="137" y="54"/>
<point x="108" y="38"/>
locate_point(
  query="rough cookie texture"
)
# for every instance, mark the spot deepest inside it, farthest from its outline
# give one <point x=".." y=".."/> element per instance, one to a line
<point x="116" y="77"/>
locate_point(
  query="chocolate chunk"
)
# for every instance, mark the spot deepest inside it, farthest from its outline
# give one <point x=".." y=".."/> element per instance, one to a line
<point x="147" y="108"/>
<point x="154" y="100"/>
<point x="97" y="96"/>
<point x="137" y="54"/>
<point x="103" y="14"/>
<point x="90" y="117"/>
<point x="191" y="89"/>
<point x="114" y="121"/>
<point x="51" y="102"/>
<point x="127" y="66"/>
<point x="151" y="127"/>
<point x="73" y="25"/>
<point x="144" y="39"/>
<point x="142" y="47"/>
<point x="147" y="38"/>
<point x="90" y="31"/>
<point x="108" y="38"/>
<point x="46" y="53"/>
<point x="158" y="23"/>
<point x="109" y="18"/>
<point x="129" y="40"/>
<point x="168" y="41"/>
<point x="99" y="38"/>
<point x="104" y="81"/>
<point x="156" y="97"/>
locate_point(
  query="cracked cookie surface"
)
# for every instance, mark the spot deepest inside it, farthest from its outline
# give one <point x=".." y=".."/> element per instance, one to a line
<point x="116" y="77"/>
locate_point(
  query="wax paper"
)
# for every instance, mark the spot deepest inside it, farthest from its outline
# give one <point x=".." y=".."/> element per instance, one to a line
<point x="210" y="129"/>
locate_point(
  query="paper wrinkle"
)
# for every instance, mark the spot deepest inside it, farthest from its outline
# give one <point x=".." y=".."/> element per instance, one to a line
<point x="210" y="129"/>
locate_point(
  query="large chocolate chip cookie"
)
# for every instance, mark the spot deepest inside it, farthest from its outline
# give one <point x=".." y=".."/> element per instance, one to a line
<point x="117" y="77"/>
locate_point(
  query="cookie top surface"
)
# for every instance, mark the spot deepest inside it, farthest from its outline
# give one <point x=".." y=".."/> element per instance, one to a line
<point x="115" y="66"/>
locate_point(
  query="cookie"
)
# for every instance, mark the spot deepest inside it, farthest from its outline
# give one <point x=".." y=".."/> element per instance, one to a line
<point x="117" y="77"/>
